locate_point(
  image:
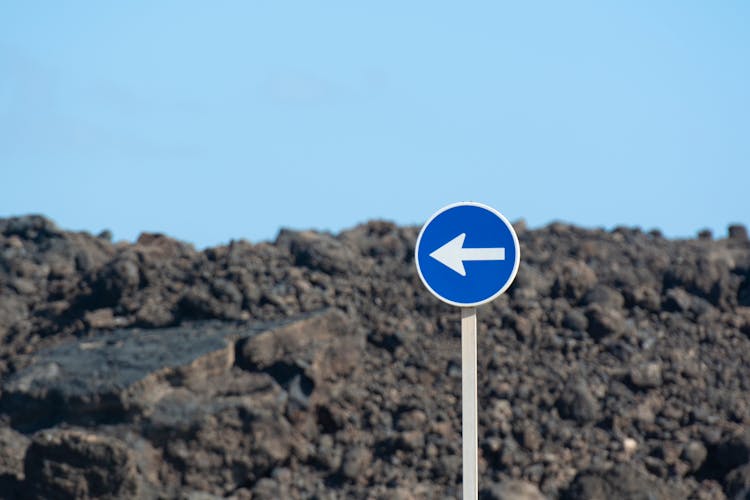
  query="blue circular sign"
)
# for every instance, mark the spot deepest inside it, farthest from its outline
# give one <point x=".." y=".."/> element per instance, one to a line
<point x="467" y="254"/>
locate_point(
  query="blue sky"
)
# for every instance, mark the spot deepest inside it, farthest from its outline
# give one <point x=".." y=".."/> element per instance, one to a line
<point x="217" y="120"/>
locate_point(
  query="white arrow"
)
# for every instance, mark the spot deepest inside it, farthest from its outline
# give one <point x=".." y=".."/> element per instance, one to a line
<point x="453" y="254"/>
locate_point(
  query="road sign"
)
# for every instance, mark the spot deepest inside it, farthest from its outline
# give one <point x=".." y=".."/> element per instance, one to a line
<point x="467" y="254"/>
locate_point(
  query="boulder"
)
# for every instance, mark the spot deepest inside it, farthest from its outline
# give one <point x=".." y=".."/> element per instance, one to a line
<point x="13" y="447"/>
<point x="576" y="402"/>
<point x="305" y="354"/>
<point x="75" y="463"/>
<point x="604" y="322"/>
<point x="622" y="482"/>
<point x="110" y="375"/>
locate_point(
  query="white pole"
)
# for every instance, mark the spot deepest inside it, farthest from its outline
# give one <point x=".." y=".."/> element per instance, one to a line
<point x="469" y="427"/>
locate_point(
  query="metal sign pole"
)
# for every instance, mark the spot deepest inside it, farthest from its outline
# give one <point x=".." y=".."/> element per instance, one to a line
<point x="469" y="425"/>
<point x="460" y="233"/>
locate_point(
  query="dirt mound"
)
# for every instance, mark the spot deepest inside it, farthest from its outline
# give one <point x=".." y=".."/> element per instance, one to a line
<point x="617" y="365"/>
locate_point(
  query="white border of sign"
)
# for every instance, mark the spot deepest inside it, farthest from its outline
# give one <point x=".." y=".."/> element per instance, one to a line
<point x="515" y="264"/>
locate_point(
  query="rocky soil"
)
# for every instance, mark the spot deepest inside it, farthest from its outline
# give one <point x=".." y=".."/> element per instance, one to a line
<point x="317" y="366"/>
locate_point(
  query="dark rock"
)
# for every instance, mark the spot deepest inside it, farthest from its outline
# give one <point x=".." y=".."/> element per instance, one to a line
<point x="13" y="447"/>
<point x="575" y="278"/>
<point x="623" y="482"/>
<point x="116" y="279"/>
<point x="677" y="300"/>
<point x="356" y="462"/>
<point x="738" y="483"/>
<point x="412" y="420"/>
<point x="199" y="303"/>
<point x="327" y="454"/>
<point x="646" y="375"/>
<point x="110" y="375"/>
<point x="522" y="327"/>
<point x="13" y="311"/>
<point x="605" y="296"/>
<point x="307" y="354"/>
<point x="604" y="322"/>
<point x="737" y="232"/>
<point x="29" y="227"/>
<point x="233" y="444"/>
<point x="701" y="275"/>
<point x="410" y="440"/>
<point x="155" y="313"/>
<point x="577" y="403"/>
<point x="105" y="234"/>
<point x="729" y="453"/>
<point x="268" y="489"/>
<point x="74" y="463"/>
<point x="576" y="320"/>
<point x="181" y="410"/>
<point x="644" y="297"/>
<point x="530" y="438"/>
<point x="694" y="454"/>
<point x="102" y="319"/>
<point x="318" y="251"/>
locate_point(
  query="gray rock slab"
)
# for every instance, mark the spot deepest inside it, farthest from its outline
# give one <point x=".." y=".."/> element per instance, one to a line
<point x="110" y="374"/>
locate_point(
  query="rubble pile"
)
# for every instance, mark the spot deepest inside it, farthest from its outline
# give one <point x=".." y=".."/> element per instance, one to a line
<point x="317" y="366"/>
